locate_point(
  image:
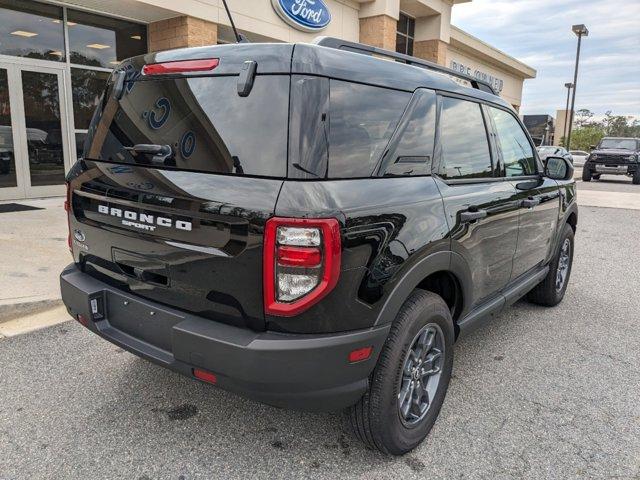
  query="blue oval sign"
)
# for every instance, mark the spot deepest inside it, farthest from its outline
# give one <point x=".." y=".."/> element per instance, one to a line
<point x="305" y="15"/>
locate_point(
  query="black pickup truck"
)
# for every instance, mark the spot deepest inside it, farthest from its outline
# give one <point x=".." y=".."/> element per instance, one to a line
<point x="311" y="226"/>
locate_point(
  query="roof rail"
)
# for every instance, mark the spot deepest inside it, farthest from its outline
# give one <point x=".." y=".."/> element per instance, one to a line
<point x="332" y="42"/>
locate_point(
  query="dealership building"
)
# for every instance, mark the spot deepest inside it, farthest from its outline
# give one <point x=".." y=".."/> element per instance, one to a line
<point x="55" y="58"/>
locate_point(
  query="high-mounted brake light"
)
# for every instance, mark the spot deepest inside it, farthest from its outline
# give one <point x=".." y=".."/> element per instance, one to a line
<point x="181" y="66"/>
<point x="301" y="263"/>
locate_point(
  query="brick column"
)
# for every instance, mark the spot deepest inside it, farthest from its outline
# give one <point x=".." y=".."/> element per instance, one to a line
<point x="432" y="50"/>
<point x="181" y="32"/>
<point x="379" y="31"/>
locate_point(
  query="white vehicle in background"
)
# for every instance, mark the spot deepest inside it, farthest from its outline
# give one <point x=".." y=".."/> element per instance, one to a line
<point x="579" y="157"/>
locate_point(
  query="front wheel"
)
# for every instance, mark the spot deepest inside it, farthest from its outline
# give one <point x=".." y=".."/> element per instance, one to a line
<point x="586" y="174"/>
<point x="636" y="177"/>
<point x="551" y="290"/>
<point x="410" y="381"/>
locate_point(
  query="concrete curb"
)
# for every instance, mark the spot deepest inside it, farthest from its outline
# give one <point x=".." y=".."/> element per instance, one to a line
<point x="16" y="308"/>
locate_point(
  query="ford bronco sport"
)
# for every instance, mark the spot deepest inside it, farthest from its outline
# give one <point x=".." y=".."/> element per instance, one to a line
<point x="614" y="156"/>
<point x="311" y="226"/>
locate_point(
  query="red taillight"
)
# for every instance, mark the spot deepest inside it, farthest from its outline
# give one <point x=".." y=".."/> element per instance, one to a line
<point x="180" y="66"/>
<point x="360" y="354"/>
<point x="301" y="263"/>
<point x="299" y="256"/>
<point x="67" y="208"/>
<point x="82" y="320"/>
<point x="205" y="376"/>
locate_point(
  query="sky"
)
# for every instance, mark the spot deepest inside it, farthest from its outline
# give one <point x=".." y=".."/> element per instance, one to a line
<point x="538" y="33"/>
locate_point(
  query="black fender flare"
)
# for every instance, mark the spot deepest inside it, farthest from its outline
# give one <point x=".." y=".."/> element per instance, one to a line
<point x="444" y="261"/>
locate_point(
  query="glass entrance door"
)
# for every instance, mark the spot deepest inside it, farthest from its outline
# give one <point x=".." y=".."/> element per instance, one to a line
<point x="8" y="173"/>
<point x="34" y="142"/>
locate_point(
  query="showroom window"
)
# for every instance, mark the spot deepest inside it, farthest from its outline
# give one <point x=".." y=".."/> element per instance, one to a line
<point x="31" y="30"/>
<point x="94" y="46"/>
<point x="405" y="34"/>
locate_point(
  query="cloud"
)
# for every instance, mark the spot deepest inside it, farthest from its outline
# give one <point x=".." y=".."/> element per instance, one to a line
<point x="538" y="32"/>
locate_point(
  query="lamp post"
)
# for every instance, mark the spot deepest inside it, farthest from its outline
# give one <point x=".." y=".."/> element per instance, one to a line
<point x="580" y="31"/>
<point x="568" y="86"/>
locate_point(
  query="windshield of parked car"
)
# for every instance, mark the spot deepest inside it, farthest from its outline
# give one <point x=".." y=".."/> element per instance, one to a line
<point x="618" y="143"/>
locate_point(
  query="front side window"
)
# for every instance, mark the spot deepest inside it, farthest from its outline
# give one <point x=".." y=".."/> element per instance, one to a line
<point x="463" y="140"/>
<point x="517" y="152"/>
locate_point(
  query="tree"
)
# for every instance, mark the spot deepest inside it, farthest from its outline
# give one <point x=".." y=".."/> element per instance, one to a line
<point x="583" y="117"/>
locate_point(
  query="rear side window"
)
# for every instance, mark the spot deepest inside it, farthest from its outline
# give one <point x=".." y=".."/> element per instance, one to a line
<point x="208" y="125"/>
<point x="463" y="140"/>
<point x="517" y="152"/>
<point x="362" y="120"/>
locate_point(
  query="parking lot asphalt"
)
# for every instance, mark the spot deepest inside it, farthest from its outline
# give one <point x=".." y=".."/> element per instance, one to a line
<point x="537" y="393"/>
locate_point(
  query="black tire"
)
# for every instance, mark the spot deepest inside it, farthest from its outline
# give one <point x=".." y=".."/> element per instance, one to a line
<point x="597" y="176"/>
<point x="376" y="418"/>
<point x="636" y="177"/>
<point x="547" y="292"/>
<point x="586" y="174"/>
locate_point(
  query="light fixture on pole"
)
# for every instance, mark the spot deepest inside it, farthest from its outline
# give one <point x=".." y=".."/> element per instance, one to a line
<point x="568" y="86"/>
<point x="580" y="31"/>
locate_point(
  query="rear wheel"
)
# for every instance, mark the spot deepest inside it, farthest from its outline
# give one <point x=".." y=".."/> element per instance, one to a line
<point x="586" y="175"/>
<point x="409" y="384"/>
<point x="636" y="177"/>
<point x="551" y="290"/>
<point x="596" y="176"/>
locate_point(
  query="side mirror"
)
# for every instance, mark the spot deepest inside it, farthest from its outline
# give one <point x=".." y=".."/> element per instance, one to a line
<point x="558" y="168"/>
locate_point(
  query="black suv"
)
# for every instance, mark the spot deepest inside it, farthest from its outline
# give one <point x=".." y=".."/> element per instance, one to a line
<point x="614" y="156"/>
<point x="311" y="226"/>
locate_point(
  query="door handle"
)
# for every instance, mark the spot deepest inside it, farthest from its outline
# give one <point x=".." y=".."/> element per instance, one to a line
<point x="530" y="202"/>
<point x="160" y="152"/>
<point x="472" y="215"/>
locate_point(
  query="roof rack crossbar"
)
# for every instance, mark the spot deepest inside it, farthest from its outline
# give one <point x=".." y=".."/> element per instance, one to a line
<point x="332" y="42"/>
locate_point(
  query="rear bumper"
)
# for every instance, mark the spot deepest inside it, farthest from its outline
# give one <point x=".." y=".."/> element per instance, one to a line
<point x="305" y="372"/>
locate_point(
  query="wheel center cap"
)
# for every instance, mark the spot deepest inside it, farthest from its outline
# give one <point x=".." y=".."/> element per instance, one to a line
<point x="415" y="374"/>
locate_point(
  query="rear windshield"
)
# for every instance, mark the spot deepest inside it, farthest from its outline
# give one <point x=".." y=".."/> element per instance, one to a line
<point x="208" y="125"/>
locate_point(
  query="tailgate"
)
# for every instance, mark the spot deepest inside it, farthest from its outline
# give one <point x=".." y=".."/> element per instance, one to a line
<point x="179" y="176"/>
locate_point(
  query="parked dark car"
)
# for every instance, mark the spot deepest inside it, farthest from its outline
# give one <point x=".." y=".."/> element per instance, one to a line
<point x="614" y="156"/>
<point x="311" y="226"/>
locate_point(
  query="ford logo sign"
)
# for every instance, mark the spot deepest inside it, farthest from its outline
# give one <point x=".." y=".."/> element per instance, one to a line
<point x="305" y="15"/>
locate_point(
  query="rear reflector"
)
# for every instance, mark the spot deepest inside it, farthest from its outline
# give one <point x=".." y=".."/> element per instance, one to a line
<point x="360" y="354"/>
<point x="83" y="320"/>
<point x="180" y="66"/>
<point x="205" y="376"/>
